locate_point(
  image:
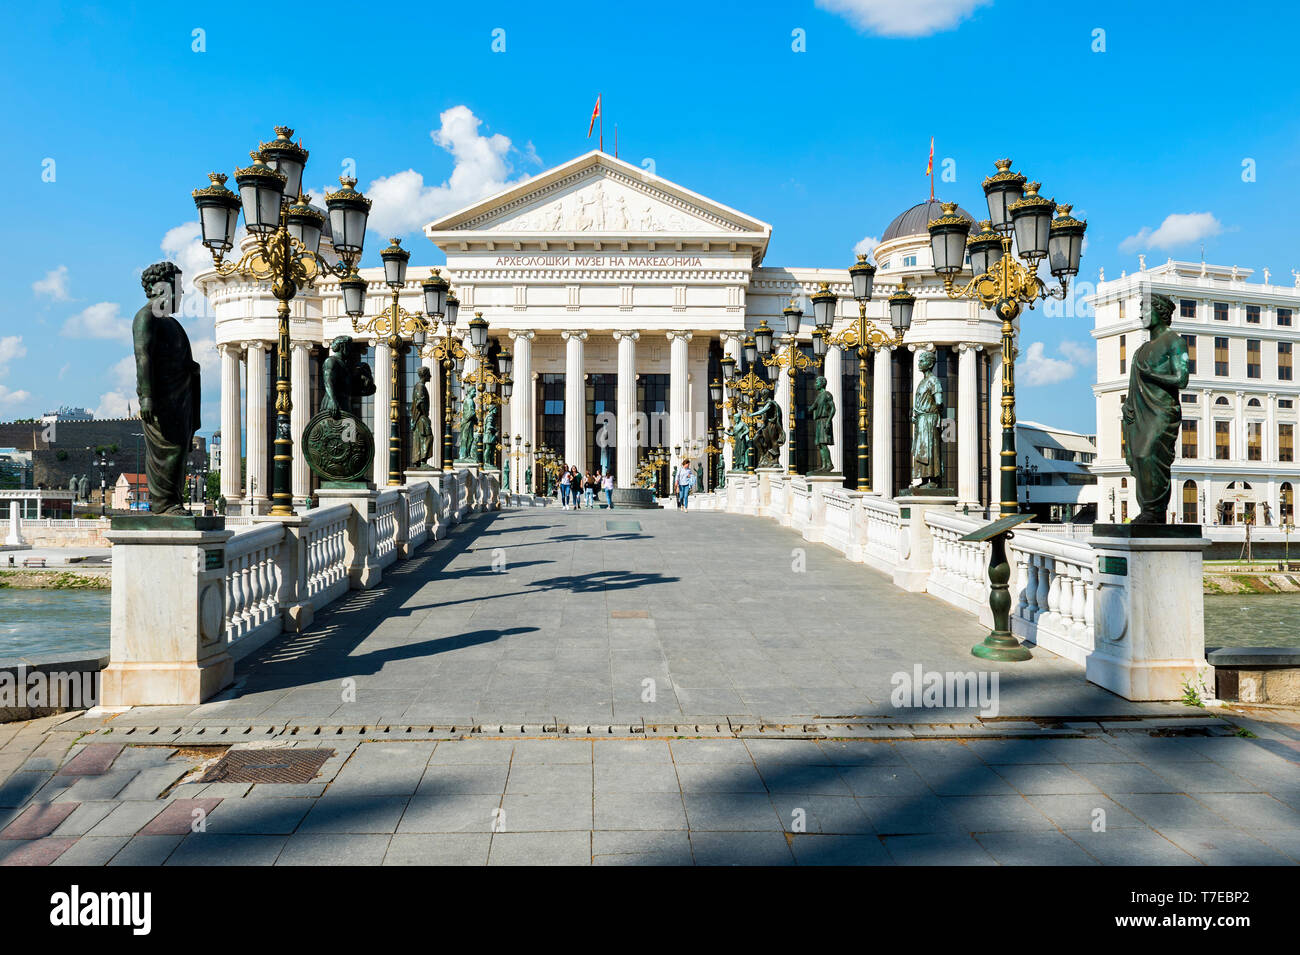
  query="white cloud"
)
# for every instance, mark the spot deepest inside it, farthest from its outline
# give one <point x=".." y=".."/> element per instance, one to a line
<point x="1078" y="353"/>
<point x="1037" y="368"/>
<point x="115" y="404"/>
<point x="905" y="18"/>
<point x="1180" y="228"/>
<point x="8" y="397"/>
<point x="403" y="203"/>
<point x="54" y="285"/>
<point x="101" y="320"/>
<point x="866" y="245"/>
<point x="11" y="348"/>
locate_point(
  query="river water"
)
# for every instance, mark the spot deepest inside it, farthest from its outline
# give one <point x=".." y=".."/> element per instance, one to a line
<point x="53" y="621"/>
<point x="74" y="621"/>
<point x="1252" y="620"/>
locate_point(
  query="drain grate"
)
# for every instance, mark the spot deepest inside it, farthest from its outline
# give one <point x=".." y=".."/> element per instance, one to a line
<point x="268" y="766"/>
<point x="624" y="527"/>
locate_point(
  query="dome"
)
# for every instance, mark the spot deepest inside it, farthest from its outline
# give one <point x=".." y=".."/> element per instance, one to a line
<point x="916" y="220"/>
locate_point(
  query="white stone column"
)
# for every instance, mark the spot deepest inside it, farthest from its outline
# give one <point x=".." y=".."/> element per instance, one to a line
<point x="833" y="371"/>
<point x="882" y="424"/>
<point x="575" y="400"/>
<point x="995" y="432"/>
<point x="231" y="430"/>
<point x="783" y="398"/>
<point x="968" y="448"/>
<point x="299" y="413"/>
<point x="678" y="383"/>
<point x="628" y="432"/>
<point x="383" y="372"/>
<point x="435" y="409"/>
<point x="521" y="404"/>
<point x="256" y="490"/>
<point x="731" y="345"/>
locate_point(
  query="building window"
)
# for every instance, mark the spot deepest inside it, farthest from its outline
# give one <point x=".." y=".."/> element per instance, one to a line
<point x="1283" y="361"/>
<point x="1221" y="357"/>
<point x="1123" y="354"/>
<point x="1220" y="311"/>
<point x="1252" y="358"/>
<point x="1286" y="442"/>
<point x="1189" y="438"/>
<point x="1252" y="314"/>
<point x="1286" y="500"/>
<point x="1284" y="316"/>
<point x="1190" y="341"/>
<point x="1285" y="402"/>
<point x="909" y="260"/>
<point x="1222" y="447"/>
<point x="1188" y="398"/>
<point x="1121" y="310"/>
<point x="1189" y="502"/>
<point x="550" y="414"/>
<point x="1123" y="512"/>
<point x="1187" y="308"/>
<point x="1254" y="441"/>
<point x="1221" y="400"/>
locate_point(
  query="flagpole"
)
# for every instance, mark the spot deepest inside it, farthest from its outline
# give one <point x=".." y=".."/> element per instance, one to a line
<point x="602" y="128"/>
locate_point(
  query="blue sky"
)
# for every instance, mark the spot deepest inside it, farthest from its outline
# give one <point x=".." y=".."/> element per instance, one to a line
<point x="112" y="117"/>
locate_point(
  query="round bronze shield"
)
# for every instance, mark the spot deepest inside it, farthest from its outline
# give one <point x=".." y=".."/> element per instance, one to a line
<point x="338" y="449"/>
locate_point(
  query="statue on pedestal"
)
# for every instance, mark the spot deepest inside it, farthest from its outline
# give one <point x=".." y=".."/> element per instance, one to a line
<point x="336" y="443"/>
<point x="487" y="456"/>
<point x="1152" y="415"/>
<point x="927" y="407"/>
<point x="167" y="383"/>
<point x="421" y="427"/>
<point x="822" y="413"/>
<point x="770" y="435"/>
<point x="468" y="422"/>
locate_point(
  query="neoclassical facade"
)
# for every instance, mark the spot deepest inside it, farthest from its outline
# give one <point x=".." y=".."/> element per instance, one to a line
<point x="618" y="293"/>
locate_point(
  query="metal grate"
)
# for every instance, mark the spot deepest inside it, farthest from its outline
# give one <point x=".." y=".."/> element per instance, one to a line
<point x="267" y="766"/>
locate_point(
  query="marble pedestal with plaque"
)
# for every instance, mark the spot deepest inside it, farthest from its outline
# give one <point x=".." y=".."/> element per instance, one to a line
<point x="167" y="642"/>
<point x="1149" y="611"/>
<point x="915" y="543"/>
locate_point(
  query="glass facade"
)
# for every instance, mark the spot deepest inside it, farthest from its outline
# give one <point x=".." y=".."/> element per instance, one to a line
<point x="902" y="423"/>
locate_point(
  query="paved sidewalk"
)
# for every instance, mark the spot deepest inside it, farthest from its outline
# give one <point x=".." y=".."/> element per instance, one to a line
<point x="590" y="616"/>
<point x="1113" y="799"/>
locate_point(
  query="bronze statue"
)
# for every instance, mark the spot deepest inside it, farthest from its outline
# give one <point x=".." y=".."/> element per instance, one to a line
<point x="468" y="421"/>
<point x="1152" y="415"/>
<point x="336" y="443"/>
<point x="823" y="414"/>
<point x="927" y="407"/>
<point x="770" y="435"/>
<point x="486" y="453"/>
<point x="421" y="427"/>
<point x="167" y="383"/>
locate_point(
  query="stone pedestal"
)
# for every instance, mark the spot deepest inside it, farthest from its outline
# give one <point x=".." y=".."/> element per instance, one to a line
<point x="819" y="485"/>
<point x="1149" y="611"/>
<point x="167" y="643"/>
<point x="765" y="478"/>
<point x="359" y="553"/>
<point x="15" y="536"/>
<point x="491" y="490"/>
<point x="915" y="545"/>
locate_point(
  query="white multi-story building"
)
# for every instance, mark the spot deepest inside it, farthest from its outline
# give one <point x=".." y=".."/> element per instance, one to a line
<point x="618" y="291"/>
<point x="1236" y="456"/>
<point x="1054" y="476"/>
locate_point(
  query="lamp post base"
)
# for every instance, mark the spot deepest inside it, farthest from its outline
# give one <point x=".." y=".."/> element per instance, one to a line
<point x="1002" y="647"/>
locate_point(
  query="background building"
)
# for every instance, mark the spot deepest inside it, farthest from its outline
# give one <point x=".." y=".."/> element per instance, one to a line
<point x="1053" y="478"/>
<point x="619" y="291"/>
<point x="1236" y="457"/>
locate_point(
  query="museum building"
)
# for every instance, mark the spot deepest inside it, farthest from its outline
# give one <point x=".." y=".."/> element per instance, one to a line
<point x="618" y="293"/>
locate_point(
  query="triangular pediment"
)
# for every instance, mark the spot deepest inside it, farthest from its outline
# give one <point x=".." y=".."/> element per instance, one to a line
<point x="593" y="196"/>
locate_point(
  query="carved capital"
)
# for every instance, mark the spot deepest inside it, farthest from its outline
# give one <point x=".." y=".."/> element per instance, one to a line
<point x="621" y="334"/>
<point x="577" y="334"/>
<point x="525" y="334"/>
<point x="681" y="334"/>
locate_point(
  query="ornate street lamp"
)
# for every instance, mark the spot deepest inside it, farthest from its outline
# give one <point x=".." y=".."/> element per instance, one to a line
<point x="392" y="326"/>
<point x="485" y="382"/>
<point x="1004" y="285"/>
<point x="286" y="232"/>
<point x="450" y="354"/>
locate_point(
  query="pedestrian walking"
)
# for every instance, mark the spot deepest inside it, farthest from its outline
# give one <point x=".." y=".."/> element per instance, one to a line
<point x="589" y="490"/>
<point x="683" y="482"/>
<point x="565" y="489"/>
<point x="607" y="484"/>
